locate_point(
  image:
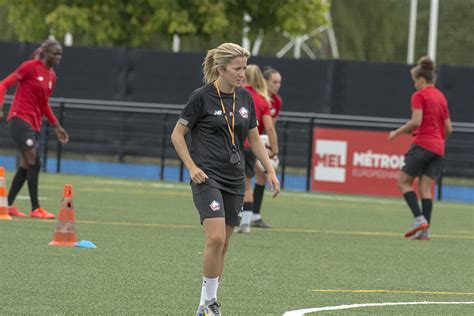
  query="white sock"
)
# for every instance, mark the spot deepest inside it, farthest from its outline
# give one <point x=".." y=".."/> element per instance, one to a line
<point x="256" y="217"/>
<point x="209" y="286"/>
<point x="246" y="218"/>
<point x="203" y="293"/>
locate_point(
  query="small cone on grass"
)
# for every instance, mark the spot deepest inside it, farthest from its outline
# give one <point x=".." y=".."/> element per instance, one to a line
<point x="65" y="230"/>
<point x="3" y="197"/>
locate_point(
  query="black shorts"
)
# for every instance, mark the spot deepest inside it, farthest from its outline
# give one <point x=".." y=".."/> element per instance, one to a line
<point x="24" y="137"/>
<point x="420" y="161"/>
<point x="212" y="202"/>
<point x="250" y="161"/>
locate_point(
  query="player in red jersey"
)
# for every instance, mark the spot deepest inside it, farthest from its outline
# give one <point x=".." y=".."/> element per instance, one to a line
<point x="35" y="81"/>
<point x="273" y="78"/>
<point x="256" y="85"/>
<point x="430" y="126"/>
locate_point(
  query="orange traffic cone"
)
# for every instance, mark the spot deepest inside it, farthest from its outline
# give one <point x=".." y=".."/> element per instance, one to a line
<point x="65" y="231"/>
<point x="3" y="196"/>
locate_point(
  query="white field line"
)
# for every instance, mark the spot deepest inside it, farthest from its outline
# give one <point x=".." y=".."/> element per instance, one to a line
<point x="301" y="312"/>
<point x="25" y="197"/>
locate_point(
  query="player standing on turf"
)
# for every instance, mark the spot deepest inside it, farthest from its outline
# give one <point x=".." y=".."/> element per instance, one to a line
<point x="219" y="116"/>
<point x="36" y="80"/>
<point x="273" y="78"/>
<point x="256" y="85"/>
<point x="430" y="126"/>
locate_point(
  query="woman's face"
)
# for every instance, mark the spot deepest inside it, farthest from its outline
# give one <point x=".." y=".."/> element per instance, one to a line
<point x="234" y="72"/>
<point x="274" y="83"/>
<point x="53" y="55"/>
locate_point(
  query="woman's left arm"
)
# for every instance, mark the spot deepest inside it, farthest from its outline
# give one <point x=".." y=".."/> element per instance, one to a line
<point x="261" y="153"/>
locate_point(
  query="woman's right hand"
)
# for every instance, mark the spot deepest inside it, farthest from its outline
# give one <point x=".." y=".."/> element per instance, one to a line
<point x="197" y="175"/>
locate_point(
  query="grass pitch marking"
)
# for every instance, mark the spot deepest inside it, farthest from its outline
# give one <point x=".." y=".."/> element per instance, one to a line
<point x="282" y="230"/>
<point x="394" y="291"/>
<point x="301" y="312"/>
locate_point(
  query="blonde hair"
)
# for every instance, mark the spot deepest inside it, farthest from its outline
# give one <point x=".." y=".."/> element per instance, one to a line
<point x="255" y="79"/>
<point x="221" y="56"/>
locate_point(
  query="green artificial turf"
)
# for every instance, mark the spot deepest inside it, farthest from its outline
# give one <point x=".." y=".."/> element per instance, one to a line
<point x="149" y="247"/>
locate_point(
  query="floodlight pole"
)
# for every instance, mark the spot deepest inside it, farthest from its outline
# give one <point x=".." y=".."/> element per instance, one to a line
<point x="245" y="31"/>
<point x="68" y="39"/>
<point x="412" y="32"/>
<point x="433" y="33"/>
<point x="331" y="35"/>
<point x="176" y="45"/>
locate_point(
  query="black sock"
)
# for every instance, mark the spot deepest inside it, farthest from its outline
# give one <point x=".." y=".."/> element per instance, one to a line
<point x="410" y="198"/>
<point x="32" y="177"/>
<point x="427" y="206"/>
<point x="258" y="191"/>
<point x="248" y="206"/>
<point x="17" y="183"/>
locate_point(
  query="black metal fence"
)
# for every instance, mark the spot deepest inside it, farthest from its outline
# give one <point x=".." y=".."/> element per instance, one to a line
<point x="126" y="139"/>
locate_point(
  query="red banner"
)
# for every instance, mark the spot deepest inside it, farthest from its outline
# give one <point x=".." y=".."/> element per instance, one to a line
<point x="357" y="162"/>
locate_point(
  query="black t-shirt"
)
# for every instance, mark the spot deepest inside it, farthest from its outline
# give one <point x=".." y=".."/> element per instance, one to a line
<point x="211" y="142"/>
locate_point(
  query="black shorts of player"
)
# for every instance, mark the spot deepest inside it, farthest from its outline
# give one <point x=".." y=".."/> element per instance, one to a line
<point x="212" y="202"/>
<point x="420" y="161"/>
<point x="250" y="161"/>
<point x="24" y="137"/>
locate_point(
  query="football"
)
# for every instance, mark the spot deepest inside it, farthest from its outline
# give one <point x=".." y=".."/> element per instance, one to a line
<point x="273" y="161"/>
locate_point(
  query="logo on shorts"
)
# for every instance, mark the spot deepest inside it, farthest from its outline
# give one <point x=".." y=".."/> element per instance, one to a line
<point x="244" y="112"/>
<point x="217" y="112"/>
<point x="40" y="78"/>
<point x="29" y="142"/>
<point x="215" y="206"/>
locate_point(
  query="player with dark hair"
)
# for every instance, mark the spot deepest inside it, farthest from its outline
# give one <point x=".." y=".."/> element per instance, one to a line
<point x="430" y="126"/>
<point x="35" y="81"/>
<point x="273" y="78"/>
<point x="219" y="116"/>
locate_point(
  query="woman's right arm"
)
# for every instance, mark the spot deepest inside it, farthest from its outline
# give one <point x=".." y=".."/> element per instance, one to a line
<point x="179" y="143"/>
<point x="5" y="84"/>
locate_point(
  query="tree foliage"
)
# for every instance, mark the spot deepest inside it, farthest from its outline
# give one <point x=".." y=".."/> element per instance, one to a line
<point x="134" y="23"/>
<point x="378" y="30"/>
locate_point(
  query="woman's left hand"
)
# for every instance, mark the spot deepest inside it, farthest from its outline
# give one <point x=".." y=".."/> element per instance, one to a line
<point x="61" y="134"/>
<point x="274" y="183"/>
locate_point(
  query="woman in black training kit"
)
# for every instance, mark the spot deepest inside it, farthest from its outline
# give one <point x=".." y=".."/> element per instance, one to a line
<point x="219" y="116"/>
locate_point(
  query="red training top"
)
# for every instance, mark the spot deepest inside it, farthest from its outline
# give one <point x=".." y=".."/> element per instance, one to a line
<point x="430" y="134"/>
<point x="261" y="108"/>
<point x="275" y="106"/>
<point x="35" y="85"/>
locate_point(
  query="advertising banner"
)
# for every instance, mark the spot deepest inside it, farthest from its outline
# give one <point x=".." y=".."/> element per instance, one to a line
<point x="357" y="162"/>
